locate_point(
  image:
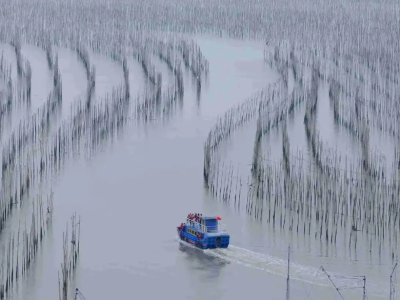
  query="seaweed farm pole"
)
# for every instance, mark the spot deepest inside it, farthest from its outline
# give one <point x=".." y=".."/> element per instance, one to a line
<point x="392" y="285"/>
<point x="287" y="280"/>
<point x="364" y="291"/>
<point x="59" y="287"/>
<point x="329" y="277"/>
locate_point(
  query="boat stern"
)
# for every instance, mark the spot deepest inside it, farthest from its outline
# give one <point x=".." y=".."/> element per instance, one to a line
<point x="216" y="240"/>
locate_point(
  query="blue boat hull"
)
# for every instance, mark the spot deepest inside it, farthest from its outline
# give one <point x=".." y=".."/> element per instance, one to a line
<point x="208" y="242"/>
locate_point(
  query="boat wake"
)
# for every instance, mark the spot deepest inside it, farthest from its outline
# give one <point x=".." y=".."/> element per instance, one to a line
<point x="274" y="265"/>
<point x="277" y="266"/>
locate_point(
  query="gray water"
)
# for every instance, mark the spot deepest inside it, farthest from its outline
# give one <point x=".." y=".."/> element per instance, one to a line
<point x="133" y="194"/>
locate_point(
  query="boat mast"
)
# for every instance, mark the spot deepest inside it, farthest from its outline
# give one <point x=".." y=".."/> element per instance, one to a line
<point x="287" y="280"/>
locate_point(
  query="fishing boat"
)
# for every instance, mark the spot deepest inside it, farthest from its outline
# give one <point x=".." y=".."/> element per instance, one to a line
<point x="204" y="232"/>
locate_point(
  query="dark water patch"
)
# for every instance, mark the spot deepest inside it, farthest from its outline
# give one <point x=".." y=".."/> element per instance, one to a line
<point x="9" y="55"/>
<point x="240" y="148"/>
<point x="73" y="78"/>
<point x="108" y="74"/>
<point x="228" y="83"/>
<point x="41" y="75"/>
<point x="167" y="76"/>
<point x="332" y="134"/>
<point x="272" y="145"/>
<point x="384" y="146"/>
<point x="136" y="78"/>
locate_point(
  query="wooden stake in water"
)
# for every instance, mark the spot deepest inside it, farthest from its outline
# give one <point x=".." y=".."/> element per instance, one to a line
<point x="364" y="288"/>
<point x="392" y="284"/>
<point x="334" y="285"/>
<point x="287" y="280"/>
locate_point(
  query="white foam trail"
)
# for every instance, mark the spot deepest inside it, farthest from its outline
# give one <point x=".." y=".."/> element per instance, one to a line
<point x="277" y="266"/>
<point x="270" y="264"/>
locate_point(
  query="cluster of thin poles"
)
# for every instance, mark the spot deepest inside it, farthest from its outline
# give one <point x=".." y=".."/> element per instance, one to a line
<point x="327" y="193"/>
<point x="38" y="146"/>
<point x="20" y="250"/>
<point x="71" y="246"/>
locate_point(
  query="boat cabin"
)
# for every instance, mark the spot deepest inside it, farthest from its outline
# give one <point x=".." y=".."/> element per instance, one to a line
<point x="206" y="224"/>
<point x="211" y="223"/>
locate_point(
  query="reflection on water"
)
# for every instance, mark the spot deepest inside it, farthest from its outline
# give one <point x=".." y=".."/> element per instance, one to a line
<point x="199" y="261"/>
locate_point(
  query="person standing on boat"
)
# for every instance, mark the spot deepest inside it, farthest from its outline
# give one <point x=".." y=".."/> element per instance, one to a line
<point x="189" y="217"/>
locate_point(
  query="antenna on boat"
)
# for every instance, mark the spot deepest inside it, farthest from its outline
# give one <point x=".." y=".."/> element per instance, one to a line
<point x="288" y="271"/>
